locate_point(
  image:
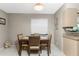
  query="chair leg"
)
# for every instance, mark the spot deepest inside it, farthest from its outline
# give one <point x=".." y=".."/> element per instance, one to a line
<point x="40" y="49"/>
<point x="48" y="51"/>
<point x="29" y="52"/>
<point x="19" y="52"/>
<point x="39" y="52"/>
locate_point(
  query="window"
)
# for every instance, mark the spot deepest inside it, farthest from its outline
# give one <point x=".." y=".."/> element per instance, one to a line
<point x="39" y="26"/>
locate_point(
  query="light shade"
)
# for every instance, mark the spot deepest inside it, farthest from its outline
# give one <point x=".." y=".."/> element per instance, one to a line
<point x="38" y="6"/>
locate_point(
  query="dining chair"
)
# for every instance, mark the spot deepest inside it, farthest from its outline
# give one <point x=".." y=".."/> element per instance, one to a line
<point x="46" y="44"/>
<point x="23" y="44"/>
<point x="34" y="44"/>
<point x="49" y="43"/>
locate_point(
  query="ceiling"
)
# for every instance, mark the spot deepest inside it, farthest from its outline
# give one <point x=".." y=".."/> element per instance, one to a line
<point x="49" y="8"/>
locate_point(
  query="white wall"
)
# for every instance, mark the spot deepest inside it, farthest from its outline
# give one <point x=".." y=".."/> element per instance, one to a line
<point x="21" y="23"/>
<point x="58" y="34"/>
<point x="3" y="29"/>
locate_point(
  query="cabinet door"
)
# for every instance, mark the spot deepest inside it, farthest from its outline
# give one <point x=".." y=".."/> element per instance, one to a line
<point x="70" y="47"/>
<point x="70" y="15"/>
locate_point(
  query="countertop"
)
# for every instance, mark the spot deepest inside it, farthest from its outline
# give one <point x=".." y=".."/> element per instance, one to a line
<point x="73" y="36"/>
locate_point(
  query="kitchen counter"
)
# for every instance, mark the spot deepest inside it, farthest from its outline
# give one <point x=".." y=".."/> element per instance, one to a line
<point x="71" y="44"/>
<point x="72" y="35"/>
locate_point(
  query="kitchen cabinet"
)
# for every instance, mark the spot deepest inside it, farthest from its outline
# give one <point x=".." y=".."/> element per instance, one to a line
<point x="70" y="16"/>
<point x="70" y="47"/>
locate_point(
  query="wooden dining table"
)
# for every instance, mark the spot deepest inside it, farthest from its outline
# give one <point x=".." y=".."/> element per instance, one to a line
<point x="43" y="39"/>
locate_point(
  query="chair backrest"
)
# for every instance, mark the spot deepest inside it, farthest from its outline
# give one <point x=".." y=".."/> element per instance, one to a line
<point x="35" y="34"/>
<point x="49" y="37"/>
<point x="19" y="36"/>
<point x="34" y="40"/>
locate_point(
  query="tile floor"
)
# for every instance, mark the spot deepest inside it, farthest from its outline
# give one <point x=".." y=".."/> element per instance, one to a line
<point x="13" y="52"/>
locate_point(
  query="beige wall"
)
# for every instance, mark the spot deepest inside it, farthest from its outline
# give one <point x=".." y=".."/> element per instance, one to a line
<point x="63" y="17"/>
<point x="20" y="23"/>
<point x="3" y="28"/>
